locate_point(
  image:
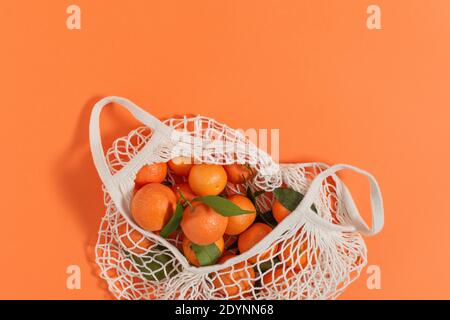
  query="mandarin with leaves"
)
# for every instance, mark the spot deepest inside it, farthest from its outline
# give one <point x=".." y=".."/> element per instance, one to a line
<point x="279" y="211"/>
<point x="190" y="255"/>
<point x="202" y="225"/>
<point x="183" y="190"/>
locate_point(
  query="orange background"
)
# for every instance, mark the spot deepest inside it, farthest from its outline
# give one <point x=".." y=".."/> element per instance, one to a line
<point x="337" y="91"/>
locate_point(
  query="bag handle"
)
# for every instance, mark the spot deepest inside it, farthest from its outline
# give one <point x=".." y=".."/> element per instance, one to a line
<point x="98" y="154"/>
<point x="357" y="222"/>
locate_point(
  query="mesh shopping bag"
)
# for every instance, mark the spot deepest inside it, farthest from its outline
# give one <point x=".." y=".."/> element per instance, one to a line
<point x="314" y="253"/>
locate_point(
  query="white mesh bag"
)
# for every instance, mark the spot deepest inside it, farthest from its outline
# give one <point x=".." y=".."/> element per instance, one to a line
<point x="314" y="253"/>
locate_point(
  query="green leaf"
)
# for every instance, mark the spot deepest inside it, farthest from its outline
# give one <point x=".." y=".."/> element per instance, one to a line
<point x="206" y="255"/>
<point x="173" y="223"/>
<point x="222" y="206"/>
<point x="269" y="264"/>
<point x="154" y="266"/>
<point x="289" y="198"/>
<point x="267" y="217"/>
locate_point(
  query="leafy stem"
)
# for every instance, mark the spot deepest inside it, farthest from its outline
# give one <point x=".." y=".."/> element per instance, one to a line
<point x="184" y="199"/>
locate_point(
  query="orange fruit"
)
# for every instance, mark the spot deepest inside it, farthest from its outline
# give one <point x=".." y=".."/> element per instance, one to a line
<point x="155" y="172"/>
<point x="251" y="237"/>
<point x="296" y="254"/>
<point x="111" y="271"/>
<point x="180" y="166"/>
<point x="278" y="279"/>
<point x="234" y="280"/>
<point x="238" y="173"/>
<point x="207" y="179"/>
<point x="202" y="225"/>
<point x="132" y="239"/>
<point x="232" y="189"/>
<point x="190" y="254"/>
<point x="120" y="284"/>
<point x="184" y="188"/>
<point x="152" y="206"/>
<point x="238" y="224"/>
<point x="115" y="282"/>
<point x="279" y="211"/>
<point x="145" y="290"/>
<point x="110" y="259"/>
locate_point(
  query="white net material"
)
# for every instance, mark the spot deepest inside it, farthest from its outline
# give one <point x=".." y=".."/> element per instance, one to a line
<point x="299" y="259"/>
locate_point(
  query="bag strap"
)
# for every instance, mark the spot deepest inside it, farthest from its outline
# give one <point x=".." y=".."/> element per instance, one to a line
<point x="357" y="222"/>
<point x="98" y="154"/>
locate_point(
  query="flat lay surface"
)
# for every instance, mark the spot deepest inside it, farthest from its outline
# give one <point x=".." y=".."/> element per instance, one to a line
<point x="337" y="91"/>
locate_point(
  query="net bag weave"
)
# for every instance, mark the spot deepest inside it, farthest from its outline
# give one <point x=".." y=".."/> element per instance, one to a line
<point x="314" y="253"/>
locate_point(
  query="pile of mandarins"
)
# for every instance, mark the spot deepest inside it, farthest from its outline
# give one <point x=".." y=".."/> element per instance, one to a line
<point x="195" y="208"/>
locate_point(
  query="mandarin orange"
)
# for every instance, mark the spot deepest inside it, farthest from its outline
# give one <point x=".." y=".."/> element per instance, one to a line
<point x="279" y="211"/>
<point x="238" y="173"/>
<point x="155" y="172"/>
<point x="202" y="225"/>
<point x="181" y="166"/>
<point x="132" y="239"/>
<point x="250" y="237"/>
<point x="190" y="254"/>
<point x="187" y="192"/>
<point x="277" y="279"/>
<point x="234" y="281"/>
<point x="207" y="179"/>
<point x="238" y="224"/>
<point x="152" y="206"/>
<point x="295" y="254"/>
